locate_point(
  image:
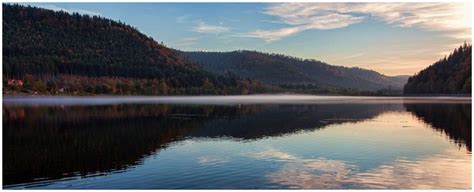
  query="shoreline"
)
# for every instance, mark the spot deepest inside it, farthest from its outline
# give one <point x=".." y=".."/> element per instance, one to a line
<point x="225" y="100"/>
<point x="284" y="93"/>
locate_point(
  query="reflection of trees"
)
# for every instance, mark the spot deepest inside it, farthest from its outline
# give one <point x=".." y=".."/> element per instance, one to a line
<point x="452" y="119"/>
<point x="51" y="141"/>
<point x="56" y="142"/>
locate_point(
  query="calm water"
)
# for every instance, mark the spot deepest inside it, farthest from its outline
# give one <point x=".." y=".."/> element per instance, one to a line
<point x="237" y="142"/>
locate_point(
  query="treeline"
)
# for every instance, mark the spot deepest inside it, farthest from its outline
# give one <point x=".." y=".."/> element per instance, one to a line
<point x="45" y="50"/>
<point x="82" y="85"/>
<point x="450" y="75"/>
<point x="317" y="90"/>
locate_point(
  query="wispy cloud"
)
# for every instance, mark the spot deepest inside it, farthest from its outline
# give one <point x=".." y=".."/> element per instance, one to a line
<point x="186" y="42"/>
<point x="453" y="19"/>
<point x="182" y="19"/>
<point x="273" y="35"/>
<point x="397" y="60"/>
<point x="301" y="23"/>
<point x="356" y="55"/>
<point x="80" y="11"/>
<point x="202" y="27"/>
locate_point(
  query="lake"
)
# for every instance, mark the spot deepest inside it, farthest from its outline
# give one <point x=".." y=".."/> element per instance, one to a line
<point x="237" y="142"/>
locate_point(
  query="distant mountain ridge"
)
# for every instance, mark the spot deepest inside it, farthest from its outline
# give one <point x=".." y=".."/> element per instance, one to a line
<point x="450" y="75"/>
<point x="279" y="69"/>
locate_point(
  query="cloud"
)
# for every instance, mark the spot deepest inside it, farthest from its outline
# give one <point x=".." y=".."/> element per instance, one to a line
<point x="80" y="11"/>
<point x="453" y="19"/>
<point x="396" y="60"/>
<point x="356" y="55"/>
<point x="186" y="42"/>
<point x="273" y="35"/>
<point x="299" y="24"/>
<point x="182" y="19"/>
<point x="206" y="28"/>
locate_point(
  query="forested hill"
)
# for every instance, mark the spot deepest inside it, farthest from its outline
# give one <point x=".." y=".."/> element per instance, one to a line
<point x="289" y="71"/>
<point x="56" y="52"/>
<point x="450" y="75"/>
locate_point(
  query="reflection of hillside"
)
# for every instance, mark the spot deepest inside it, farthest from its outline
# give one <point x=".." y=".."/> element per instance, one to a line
<point x="56" y="142"/>
<point x="452" y="119"/>
<point x="50" y="141"/>
<point x="278" y="120"/>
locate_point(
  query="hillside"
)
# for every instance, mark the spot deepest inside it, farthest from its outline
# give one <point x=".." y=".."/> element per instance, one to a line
<point x="450" y="75"/>
<point x="48" y="52"/>
<point x="278" y="69"/>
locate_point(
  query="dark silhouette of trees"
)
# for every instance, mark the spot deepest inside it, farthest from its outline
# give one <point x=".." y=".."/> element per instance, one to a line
<point x="450" y="75"/>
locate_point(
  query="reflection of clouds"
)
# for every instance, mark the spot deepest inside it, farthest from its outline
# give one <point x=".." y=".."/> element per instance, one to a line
<point x="317" y="173"/>
<point x="273" y="154"/>
<point x="305" y="173"/>
<point x="210" y="160"/>
<point x="451" y="170"/>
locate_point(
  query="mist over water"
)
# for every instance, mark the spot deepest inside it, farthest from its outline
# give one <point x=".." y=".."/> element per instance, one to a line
<point x="223" y="100"/>
<point x="235" y="142"/>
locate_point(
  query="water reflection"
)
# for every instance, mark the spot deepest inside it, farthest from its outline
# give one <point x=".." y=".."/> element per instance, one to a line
<point x="454" y="120"/>
<point x="447" y="169"/>
<point x="425" y="173"/>
<point x="54" y="142"/>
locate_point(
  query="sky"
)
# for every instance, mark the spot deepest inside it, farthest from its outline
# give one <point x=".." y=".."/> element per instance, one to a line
<point x="390" y="38"/>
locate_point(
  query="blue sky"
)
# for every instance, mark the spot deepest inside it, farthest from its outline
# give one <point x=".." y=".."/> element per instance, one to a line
<point x="391" y="38"/>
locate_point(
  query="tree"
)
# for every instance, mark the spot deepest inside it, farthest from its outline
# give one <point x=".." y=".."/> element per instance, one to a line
<point x="450" y="75"/>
